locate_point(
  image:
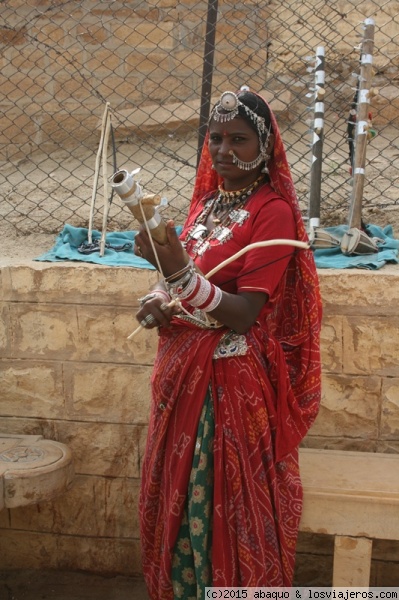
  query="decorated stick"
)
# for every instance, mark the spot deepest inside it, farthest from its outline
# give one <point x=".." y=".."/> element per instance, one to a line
<point x="317" y="141"/>
<point x="143" y="207"/>
<point x="319" y="238"/>
<point x="350" y="128"/>
<point x="362" y="125"/>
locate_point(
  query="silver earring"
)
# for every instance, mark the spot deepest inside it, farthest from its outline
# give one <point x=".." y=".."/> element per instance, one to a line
<point x="265" y="168"/>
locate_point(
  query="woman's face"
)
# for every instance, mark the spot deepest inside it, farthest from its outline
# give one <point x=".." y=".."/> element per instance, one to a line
<point x="238" y="138"/>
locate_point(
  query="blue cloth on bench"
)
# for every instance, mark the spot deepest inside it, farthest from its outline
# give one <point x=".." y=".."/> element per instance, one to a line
<point x="388" y="250"/>
<point x="69" y="240"/>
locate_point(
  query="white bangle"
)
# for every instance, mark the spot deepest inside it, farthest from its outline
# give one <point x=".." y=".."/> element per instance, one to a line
<point x="201" y="293"/>
<point x="216" y="300"/>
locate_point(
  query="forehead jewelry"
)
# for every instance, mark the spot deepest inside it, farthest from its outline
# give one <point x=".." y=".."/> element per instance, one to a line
<point x="226" y="110"/>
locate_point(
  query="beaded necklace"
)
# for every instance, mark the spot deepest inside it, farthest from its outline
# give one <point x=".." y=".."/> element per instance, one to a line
<point x="226" y="200"/>
<point x="228" y="210"/>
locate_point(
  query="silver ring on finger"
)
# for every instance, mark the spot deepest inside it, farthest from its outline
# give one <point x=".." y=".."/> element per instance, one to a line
<point x="164" y="306"/>
<point x="149" y="319"/>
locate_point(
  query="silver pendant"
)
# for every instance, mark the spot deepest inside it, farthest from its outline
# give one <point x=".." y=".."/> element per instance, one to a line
<point x="199" y="232"/>
<point x="239" y="216"/>
<point x="201" y="247"/>
<point x="222" y="234"/>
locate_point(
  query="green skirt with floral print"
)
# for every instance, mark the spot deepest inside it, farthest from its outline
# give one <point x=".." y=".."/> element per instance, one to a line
<point x="192" y="567"/>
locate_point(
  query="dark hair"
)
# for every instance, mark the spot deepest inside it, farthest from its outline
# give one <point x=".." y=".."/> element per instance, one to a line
<point x="258" y="106"/>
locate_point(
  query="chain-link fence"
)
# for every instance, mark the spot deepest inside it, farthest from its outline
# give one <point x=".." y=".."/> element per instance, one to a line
<point x="159" y="64"/>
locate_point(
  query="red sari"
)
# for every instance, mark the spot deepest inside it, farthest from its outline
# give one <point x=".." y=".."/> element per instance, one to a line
<point x="265" y="398"/>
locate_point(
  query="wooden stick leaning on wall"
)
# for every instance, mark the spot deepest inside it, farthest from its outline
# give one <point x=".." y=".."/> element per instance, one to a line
<point x="105" y="183"/>
<point x="97" y="172"/>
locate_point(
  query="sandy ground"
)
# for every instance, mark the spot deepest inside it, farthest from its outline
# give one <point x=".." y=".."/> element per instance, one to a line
<point x="60" y="585"/>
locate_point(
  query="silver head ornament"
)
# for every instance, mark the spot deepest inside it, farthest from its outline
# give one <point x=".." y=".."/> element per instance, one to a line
<point x="227" y="109"/>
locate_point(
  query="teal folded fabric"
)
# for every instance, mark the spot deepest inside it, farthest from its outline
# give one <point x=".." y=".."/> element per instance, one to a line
<point x="388" y="250"/>
<point x="118" y="251"/>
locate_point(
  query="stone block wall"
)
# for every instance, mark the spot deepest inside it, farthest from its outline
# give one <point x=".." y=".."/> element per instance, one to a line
<point x="360" y="402"/>
<point x="57" y="64"/>
<point x="68" y="372"/>
<point x="360" y="345"/>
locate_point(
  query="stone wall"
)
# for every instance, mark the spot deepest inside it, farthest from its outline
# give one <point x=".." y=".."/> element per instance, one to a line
<point x="59" y="63"/>
<point x="67" y="372"/>
<point x="360" y="402"/>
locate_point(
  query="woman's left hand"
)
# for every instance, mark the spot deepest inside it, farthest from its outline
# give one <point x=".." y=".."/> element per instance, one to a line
<point x="156" y="313"/>
<point x="172" y="256"/>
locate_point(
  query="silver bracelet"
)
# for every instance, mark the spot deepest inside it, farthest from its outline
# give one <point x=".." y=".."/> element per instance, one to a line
<point x="180" y="273"/>
<point x="176" y="287"/>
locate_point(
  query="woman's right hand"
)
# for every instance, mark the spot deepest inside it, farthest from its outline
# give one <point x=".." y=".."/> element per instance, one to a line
<point x="172" y="256"/>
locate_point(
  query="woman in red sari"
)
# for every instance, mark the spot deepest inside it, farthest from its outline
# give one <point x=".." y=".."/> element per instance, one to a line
<point x="236" y="381"/>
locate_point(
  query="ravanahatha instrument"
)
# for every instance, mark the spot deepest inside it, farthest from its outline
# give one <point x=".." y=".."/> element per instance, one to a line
<point x="355" y="240"/>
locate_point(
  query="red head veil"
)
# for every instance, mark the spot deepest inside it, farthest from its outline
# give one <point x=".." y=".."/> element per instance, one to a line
<point x="296" y="321"/>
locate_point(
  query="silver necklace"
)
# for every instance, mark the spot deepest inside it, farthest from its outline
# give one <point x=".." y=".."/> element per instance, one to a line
<point x="228" y="210"/>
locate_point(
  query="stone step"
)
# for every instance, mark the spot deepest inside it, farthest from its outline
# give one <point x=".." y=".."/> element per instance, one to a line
<point x="32" y="469"/>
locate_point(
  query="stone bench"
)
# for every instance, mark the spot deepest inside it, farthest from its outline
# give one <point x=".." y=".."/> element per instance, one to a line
<point x="355" y="497"/>
<point x="32" y="469"/>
